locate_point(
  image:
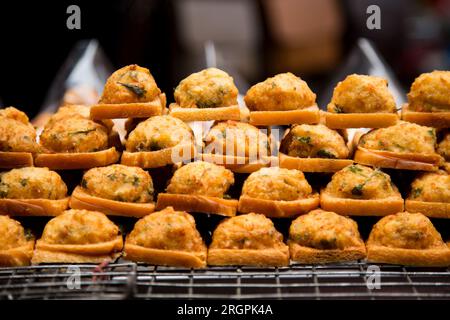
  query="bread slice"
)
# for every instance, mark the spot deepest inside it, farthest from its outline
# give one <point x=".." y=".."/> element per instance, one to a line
<point x="308" y="115"/>
<point x="277" y="208"/>
<point x="313" y="164"/>
<point x="197" y="203"/>
<point x="361" y="207"/>
<point x="430" y="209"/>
<point x="204" y="114"/>
<point x="17" y="257"/>
<point x="80" y="199"/>
<point x="85" y="160"/>
<point x="435" y="257"/>
<point x="239" y="164"/>
<point x="360" y="120"/>
<point x="175" y="258"/>
<point x="33" y="207"/>
<point x="129" y="110"/>
<point x="405" y="161"/>
<point x="306" y="255"/>
<point x="159" y="158"/>
<point x="429" y="119"/>
<point x="11" y="160"/>
<point x="277" y="257"/>
<point x="81" y="253"/>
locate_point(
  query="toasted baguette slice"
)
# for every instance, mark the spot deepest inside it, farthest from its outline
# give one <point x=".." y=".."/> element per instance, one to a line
<point x="430" y="209"/>
<point x="82" y="253"/>
<point x="197" y="203"/>
<point x="159" y="257"/>
<point x="360" y="120"/>
<point x="247" y="257"/>
<point x="11" y="160"/>
<point x="17" y="257"/>
<point x="80" y="199"/>
<point x="357" y="207"/>
<point x="204" y="114"/>
<point x="429" y="119"/>
<point x="386" y="159"/>
<point x="276" y="208"/>
<point x="313" y="164"/>
<point x="308" y="115"/>
<point x="33" y="207"/>
<point x="129" y="110"/>
<point x="408" y="257"/>
<point x="159" y="158"/>
<point x="239" y="164"/>
<point x="306" y="255"/>
<point x="85" y="160"/>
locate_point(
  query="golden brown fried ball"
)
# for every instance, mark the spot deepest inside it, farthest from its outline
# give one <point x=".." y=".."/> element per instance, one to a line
<point x="159" y="132"/>
<point x="403" y="137"/>
<point x="12" y="234"/>
<point x="130" y="84"/>
<point x="360" y="182"/>
<point x="276" y="183"/>
<point x="202" y="178"/>
<point x="120" y="183"/>
<point x="74" y="135"/>
<point x="405" y="230"/>
<point x="79" y="227"/>
<point x="167" y="230"/>
<point x="430" y="92"/>
<point x="15" y="114"/>
<point x="69" y="112"/>
<point x="237" y="139"/>
<point x="314" y="141"/>
<point x="209" y="88"/>
<point x="284" y="91"/>
<point x="80" y="95"/>
<point x="32" y="183"/>
<point x="16" y="133"/>
<point x="249" y="231"/>
<point x="431" y="187"/>
<point x="321" y="229"/>
<point x="362" y="94"/>
<point x="444" y="147"/>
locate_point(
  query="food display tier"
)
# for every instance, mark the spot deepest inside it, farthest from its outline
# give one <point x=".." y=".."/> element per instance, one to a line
<point x="125" y="280"/>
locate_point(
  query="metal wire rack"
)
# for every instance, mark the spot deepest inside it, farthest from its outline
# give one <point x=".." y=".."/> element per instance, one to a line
<point x="129" y="280"/>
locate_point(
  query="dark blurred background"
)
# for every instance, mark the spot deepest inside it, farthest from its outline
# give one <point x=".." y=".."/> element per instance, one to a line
<point x="253" y="39"/>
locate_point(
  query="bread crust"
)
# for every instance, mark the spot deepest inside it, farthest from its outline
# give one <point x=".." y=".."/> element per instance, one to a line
<point x="247" y="257"/>
<point x="83" y="253"/>
<point x="85" y="160"/>
<point x="357" y="207"/>
<point x="80" y="199"/>
<point x="429" y="119"/>
<point x="238" y="164"/>
<point x="11" y="160"/>
<point x="306" y="255"/>
<point x="309" y="115"/>
<point x="165" y="257"/>
<point x="204" y="114"/>
<point x="430" y="209"/>
<point x="33" y="207"/>
<point x="408" y="257"/>
<point x="277" y="208"/>
<point x="313" y="164"/>
<point x="159" y="158"/>
<point x="385" y="159"/>
<point x="129" y="110"/>
<point x="17" y="257"/>
<point x="197" y="203"/>
<point x="360" y="120"/>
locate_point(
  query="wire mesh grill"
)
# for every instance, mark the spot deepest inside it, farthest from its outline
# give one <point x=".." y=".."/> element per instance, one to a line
<point x="128" y="280"/>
